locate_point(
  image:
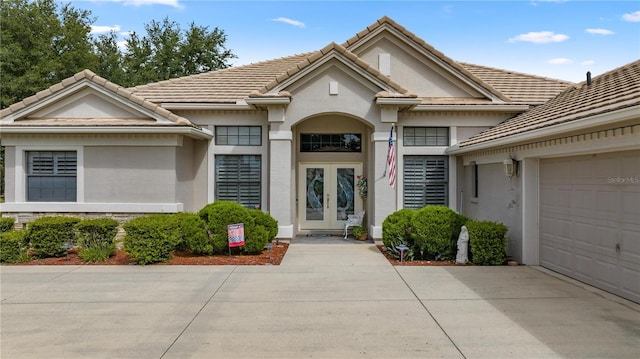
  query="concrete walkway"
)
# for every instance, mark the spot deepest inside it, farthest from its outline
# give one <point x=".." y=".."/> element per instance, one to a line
<point x="328" y="299"/>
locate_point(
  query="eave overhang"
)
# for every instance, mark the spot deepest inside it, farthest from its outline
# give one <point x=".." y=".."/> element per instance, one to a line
<point x="473" y="108"/>
<point x="609" y="119"/>
<point x="192" y="132"/>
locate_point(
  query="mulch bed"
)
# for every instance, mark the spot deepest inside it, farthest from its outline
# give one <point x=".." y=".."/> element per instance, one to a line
<point x="415" y="263"/>
<point x="267" y="257"/>
<point x="273" y="256"/>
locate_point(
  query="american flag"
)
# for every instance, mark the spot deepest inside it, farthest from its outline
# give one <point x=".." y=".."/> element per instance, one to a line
<point x="391" y="161"/>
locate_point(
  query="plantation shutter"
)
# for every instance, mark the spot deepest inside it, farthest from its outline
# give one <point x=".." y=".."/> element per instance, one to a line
<point x="426" y="181"/>
<point x="238" y="179"/>
<point x="51" y="176"/>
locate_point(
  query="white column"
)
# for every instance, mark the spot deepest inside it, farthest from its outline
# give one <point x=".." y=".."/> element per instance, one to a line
<point x="281" y="184"/>
<point x="384" y="196"/>
<point x="530" y="169"/>
<point x="211" y="167"/>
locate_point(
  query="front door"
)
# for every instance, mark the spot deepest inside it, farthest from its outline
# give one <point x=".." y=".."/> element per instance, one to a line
<point x="327" y="194"/>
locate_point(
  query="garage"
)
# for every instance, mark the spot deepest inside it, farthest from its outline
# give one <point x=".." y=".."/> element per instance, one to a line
<point x="590" y="220"/>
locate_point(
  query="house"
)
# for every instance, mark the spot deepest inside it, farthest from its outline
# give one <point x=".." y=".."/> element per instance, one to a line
<point x="290" y="136"/>
<point x="565" y="178"/>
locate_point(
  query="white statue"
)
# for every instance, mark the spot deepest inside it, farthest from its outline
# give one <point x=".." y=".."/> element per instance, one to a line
<point x="463" y="246"/>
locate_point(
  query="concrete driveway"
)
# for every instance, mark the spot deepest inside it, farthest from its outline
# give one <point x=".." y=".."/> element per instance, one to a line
<point x="327" y="299"/>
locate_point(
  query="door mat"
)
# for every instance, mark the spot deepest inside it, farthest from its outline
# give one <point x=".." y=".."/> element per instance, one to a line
<point x="318" y="235"/>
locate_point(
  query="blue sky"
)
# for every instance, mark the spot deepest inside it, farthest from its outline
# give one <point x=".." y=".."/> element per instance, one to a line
<point x="553" y="38"/>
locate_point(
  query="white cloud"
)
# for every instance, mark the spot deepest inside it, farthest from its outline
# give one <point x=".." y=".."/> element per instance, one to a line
<point x="172" y="3"/>
<point x="587" y="63"/>
<point x="540" y="37"/>
<point x="290" y="22"/>
<point x="99" y="29"/>
<point x="560" y="61"/>
<point x="633" y="17"/>
<point x="600" y="31"/>
<point x="122" y="45"/>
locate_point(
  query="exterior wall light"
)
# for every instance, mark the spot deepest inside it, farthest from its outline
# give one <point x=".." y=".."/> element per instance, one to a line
<point x="509" y="167"/>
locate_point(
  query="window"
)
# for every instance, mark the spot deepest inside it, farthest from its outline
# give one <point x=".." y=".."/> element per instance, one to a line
<point x="238" y="179"/>
<point x="316" y="142"/>
<point x="51" y="176"/>
<point x="239" y="135"/>
<point x="426" y="181"/>
<point x="426" y="136"/>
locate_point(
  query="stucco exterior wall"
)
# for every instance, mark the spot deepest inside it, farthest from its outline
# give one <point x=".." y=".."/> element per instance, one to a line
<point x="408" y="68"/>
<point x="499" y="200"/>
<point x="312" y="98"/>
<point x="129" y="174"/>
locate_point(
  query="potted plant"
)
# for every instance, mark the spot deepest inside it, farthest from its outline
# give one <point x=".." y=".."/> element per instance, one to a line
<point x="360" y="233"/>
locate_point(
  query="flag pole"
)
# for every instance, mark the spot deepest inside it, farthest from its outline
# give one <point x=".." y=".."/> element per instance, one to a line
<point x="386" y="158"/>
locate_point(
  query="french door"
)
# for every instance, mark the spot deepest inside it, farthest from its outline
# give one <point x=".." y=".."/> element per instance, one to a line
<point x="327" y="193"/>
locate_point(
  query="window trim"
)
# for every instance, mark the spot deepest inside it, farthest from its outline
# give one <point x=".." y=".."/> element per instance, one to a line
<point x="217" y="127"/>
<point x="20" y="187"/>
<point x="59" y="169"/>
<point x="260" y="180"/>
<point x="301" y="141"/>
<point x="447" y="136"/>
<point x="446" y="181"/>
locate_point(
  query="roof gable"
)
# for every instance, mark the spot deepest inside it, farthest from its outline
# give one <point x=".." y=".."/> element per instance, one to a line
<point x="418" y="65"/>
<point x="338" y="55"/>
<point x="89" y="100"/>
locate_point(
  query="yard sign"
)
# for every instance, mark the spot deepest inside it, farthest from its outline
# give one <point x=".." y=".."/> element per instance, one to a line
<point x="236" y="235"/>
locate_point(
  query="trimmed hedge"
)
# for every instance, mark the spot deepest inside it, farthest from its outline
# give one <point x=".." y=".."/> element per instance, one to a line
<point x="265" y="220"/>
<point x="487" y="242"/>
<point x="96" y="238"/>
<point x="47" y="235"/>
<point x="435" y="231"/>
<point x="151" y="239"/>
<point x="396" y="230"/>
<point x="218" y="215"/>
<point x="192" y="233"/>
<point x="6" y="224"/>
<point x="13" y="247"/>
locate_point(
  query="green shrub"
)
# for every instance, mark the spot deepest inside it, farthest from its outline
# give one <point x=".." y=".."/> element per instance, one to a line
<point x="265" y="220"/>
<point x="6" y="224"/>
<point x="396" y="228"/>
<point x="151" y="239"/>
<point x="218" y="215"/>
<point x="13" y="247"/>
<point x="47" y="235"/>
<point x="96" y="238"/>
<point x="255" y="239"/>
<point x="192" y="232"/>
<point x="435" y="231"/>
<point x="487" y="242"/>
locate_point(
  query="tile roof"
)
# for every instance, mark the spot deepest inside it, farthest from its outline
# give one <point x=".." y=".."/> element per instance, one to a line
<point x="237" y="83"/>
<point x="90" y="76"/>
<point x="614" y="90"/>
<point x="519" y="87"/>
<point x="222" y="86"/>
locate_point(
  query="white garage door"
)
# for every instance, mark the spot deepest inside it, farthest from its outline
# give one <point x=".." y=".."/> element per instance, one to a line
<point x="590" y="220"/>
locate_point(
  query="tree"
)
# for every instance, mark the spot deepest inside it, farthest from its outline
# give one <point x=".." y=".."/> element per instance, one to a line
<point x="40" y="45"/>
<point x="167" y="52"/>
<point x="110" y="59"/>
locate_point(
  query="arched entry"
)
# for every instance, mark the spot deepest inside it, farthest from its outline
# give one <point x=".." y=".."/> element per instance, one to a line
<point x="331" y="154"/>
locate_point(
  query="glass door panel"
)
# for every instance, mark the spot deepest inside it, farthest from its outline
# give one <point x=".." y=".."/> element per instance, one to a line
<point x="327" y="194"/>
<point x="345" y="184"/>
<point x="315" y="194"/>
